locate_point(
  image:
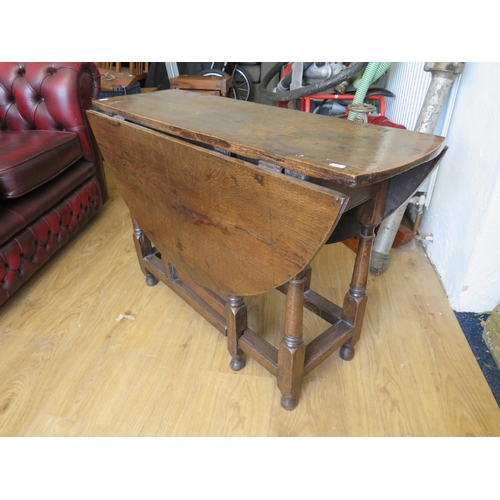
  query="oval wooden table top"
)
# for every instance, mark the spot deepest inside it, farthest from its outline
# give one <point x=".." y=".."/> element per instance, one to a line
<point x="353" y="154"/>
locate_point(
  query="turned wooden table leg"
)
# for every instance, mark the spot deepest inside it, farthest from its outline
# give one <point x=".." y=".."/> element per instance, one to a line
<point x="291" y="351"/>
<point x="236" y="325"/>
<point x="355" y="300"/>
<point x="369" y="215"/>
<point x="143" y="248"/>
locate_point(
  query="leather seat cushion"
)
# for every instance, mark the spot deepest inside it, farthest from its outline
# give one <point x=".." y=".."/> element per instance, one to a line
<point x="28" y="159"/>
<point x="17" y="213"/>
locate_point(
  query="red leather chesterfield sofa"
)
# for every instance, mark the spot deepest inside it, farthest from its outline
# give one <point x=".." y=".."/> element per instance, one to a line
<point x="52" y="180"/>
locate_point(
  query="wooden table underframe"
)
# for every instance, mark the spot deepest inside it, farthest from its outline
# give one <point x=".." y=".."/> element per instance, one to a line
<point x="212" y="164"/>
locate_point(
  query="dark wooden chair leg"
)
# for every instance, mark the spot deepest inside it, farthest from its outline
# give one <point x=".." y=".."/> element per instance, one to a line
<point x="236" y="325"/>
<point x="143" y="248"/>
<point x="291" y="351"/>
<point x="369" y="215"/>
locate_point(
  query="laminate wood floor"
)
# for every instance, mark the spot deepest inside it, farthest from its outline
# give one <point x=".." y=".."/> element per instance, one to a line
<point x="69" y="368"/>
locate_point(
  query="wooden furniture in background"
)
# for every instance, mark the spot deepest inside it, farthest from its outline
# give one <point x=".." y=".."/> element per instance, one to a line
<point x="111" y="80"/>
<point x="218" y="225"/>
<point x="213" y="85"/>
<point x="112" y="76"/>
<point x="134" y="68"/>
<point x="110" y="66"/>
<point x="138" y="68"/>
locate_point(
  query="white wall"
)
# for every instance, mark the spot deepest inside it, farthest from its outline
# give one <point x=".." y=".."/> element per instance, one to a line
<point x="464" y="213"/>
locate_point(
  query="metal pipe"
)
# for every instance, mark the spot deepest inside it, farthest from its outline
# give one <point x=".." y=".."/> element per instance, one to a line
<point x="421" y="203"/>
<point x="443" y="76"/>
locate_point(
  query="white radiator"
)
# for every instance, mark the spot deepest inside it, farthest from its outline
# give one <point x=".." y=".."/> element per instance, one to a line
<point x="409" y="82"/>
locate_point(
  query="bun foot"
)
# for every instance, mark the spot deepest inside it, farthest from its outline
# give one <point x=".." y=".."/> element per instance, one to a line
<point x="151" y="280"/>
<point x="288" y="403"/>
<point x="347" y="352"/>
<point x="237" y="363"/>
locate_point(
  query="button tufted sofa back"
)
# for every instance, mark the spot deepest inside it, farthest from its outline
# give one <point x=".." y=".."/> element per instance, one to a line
<point x="49" y="96"/>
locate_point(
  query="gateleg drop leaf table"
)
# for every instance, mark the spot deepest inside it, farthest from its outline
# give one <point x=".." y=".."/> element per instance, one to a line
<point x="231" y="199"/>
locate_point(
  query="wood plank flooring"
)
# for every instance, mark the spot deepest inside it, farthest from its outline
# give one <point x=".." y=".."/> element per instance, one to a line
<point x="68" y="368"/>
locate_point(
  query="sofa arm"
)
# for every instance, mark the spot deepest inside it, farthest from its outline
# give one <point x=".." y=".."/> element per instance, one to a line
<point x="49" y="96"/>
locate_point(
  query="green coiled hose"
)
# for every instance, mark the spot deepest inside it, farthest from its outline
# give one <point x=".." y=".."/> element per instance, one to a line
<point x="373" y="72"/>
